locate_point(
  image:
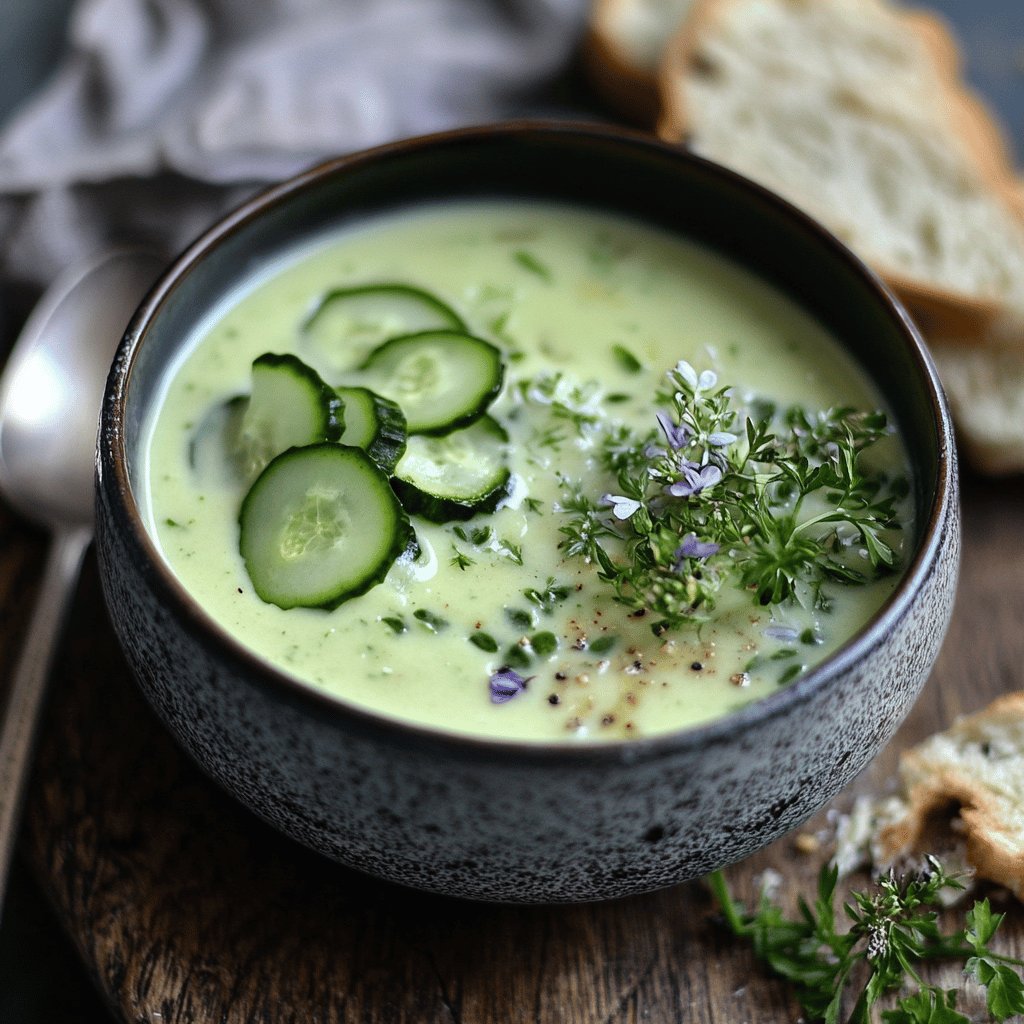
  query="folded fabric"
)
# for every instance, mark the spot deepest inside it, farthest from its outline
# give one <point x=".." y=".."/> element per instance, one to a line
<point x="229" y="93"/>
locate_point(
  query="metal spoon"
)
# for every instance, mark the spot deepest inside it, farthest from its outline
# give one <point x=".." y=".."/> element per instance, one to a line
<point x="50" y="397"/>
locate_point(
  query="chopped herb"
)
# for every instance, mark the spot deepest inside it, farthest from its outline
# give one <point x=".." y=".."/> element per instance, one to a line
<point x="481" y="535"/>
<point x="519" y="618"/>
<point x="546" y="599"/>
<point x="534" y="505"/>
<point x="618" y="397"/>
<point x="811" y="637"/>
<point x="513" y="552"/>
<point x="431" y="621"/>
<point x="602" y="644"/>
<point x="894" y="929"/>
<point x="791" y="673"/>
<point x="626" y="360"/>
<point x="516" y="657"/>
<point x="460" y="532"/>
<point x="396" y="623"/>
<point x="461" y="559"/>
<point x="530" y="262"/>
<point x="484" y="641"/>
<point x="544" y="643"/>
<point x="172" y="522"/>
<point x="782" y="653"/>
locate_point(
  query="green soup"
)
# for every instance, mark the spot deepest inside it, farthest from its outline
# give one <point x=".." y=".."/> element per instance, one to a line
<point x="589" y="311"/>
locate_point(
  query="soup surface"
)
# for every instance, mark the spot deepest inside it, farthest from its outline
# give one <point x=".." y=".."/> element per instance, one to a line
<point x="589" y="312"/>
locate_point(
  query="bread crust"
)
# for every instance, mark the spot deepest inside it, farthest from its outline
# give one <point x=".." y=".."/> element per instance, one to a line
<point x="939" y="310"/>
<point x="630" y="90"/>
<point x="935" y="781"/>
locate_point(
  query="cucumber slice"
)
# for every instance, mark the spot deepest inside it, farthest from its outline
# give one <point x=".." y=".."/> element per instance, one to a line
<point x="320" y="526"/>
<point x="214" y="452"/>
<point x="290" y="407"/>
<point x="368" y="314"/>
<point x="443" y="380"/>
<point x="375" y="424"/>
<point x="456" y="476"/>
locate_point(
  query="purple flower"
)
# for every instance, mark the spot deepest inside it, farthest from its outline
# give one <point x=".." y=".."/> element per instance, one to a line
<point x="695" y="479"/>
<point x="506" y="684"/>
<point x="721" y="439"/>
<point x="622" y="507"/>
<point x="694" y="548"/>
<point x="785" y="633"/>
<point x="677" y="435"/>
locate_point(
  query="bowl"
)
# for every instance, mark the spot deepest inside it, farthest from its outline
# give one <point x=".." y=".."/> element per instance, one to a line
<point x="519" y="821"/>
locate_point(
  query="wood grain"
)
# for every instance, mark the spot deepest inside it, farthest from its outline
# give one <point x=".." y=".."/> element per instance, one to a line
<point x="187" y="909"/>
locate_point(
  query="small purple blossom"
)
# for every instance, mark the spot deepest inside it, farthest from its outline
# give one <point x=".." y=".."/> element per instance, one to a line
<point x="506" y="684"/>
<point x="695" y="479"/>
<point x="705" y="382"/>
<point x="677" y="434"/>
<point x="721" y="439"/>
<point x="784" y="633"/>
<point x="622" y="507"/>
<point x="694" y="548"/>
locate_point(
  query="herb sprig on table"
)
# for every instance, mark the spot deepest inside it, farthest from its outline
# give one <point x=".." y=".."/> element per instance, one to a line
<point x="892" y="930"/>
<point x="778" y="504"/>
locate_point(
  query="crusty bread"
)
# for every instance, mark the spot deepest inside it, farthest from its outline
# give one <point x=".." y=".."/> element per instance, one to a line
<point x="985" y="388"/>
<point x="855" y="110"/>
<point x="623" y="51"/>
<point x="971" y="774"/>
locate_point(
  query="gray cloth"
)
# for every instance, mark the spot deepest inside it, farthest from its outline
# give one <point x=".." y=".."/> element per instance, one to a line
<point x="165" y="112"/>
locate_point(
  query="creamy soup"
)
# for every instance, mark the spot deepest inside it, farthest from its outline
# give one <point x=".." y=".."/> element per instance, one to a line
<point x="500" y="625"/>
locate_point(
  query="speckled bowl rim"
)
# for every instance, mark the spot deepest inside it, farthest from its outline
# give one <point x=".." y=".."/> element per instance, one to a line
<point x="724" y="729"/>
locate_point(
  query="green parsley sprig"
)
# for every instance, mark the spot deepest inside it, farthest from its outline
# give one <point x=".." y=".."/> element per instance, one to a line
<point x="893" y="929"/>
<point x="780" y="505"/>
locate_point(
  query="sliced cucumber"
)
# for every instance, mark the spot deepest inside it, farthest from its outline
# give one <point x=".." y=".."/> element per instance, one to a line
<point x="375" y="424"/>
<point x="214" y="452"/>
<point x="290" y="406"/>
<point x="368" y="314"/>
<point x="443" y="380"/>
<point x="456" y="476"/>
<point x="319" y="526"/>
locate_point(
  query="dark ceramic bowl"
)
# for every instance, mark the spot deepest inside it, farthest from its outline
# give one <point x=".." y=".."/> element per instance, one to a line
<point x="508" y="820"/>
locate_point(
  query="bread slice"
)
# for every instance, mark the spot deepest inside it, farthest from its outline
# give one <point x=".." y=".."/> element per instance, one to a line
<point x="971" y="774"/>
<point x="623" y="51"/>
<point x="985" y="388"/>
<point x="855" y="110"/>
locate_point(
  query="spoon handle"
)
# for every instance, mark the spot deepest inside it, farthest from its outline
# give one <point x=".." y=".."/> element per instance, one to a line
<point x="28" y="685"/>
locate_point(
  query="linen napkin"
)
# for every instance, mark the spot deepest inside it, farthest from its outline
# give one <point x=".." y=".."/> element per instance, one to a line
<point x="163" y="113"/>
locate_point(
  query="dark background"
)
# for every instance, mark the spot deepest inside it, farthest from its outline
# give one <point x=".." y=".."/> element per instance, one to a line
<point x="40" y="977"/>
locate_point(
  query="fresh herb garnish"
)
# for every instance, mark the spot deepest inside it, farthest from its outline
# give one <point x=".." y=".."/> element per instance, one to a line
<point x="893" y="929"/>
<point x="513" y="552"/>
<point x="484" y="641"/>
<point x="602" y="645"/>
<point x="779" y="507"/>
<point x="529" y="262"/>
<point x="395" y="623"/>
<point x="460" y="559"/>
<point x="519" y="618"/>
<point x="626" y="360"/>
<point x="544" y="643"/>
<point x="431" y="621"/>
<point x="516" y="657"/>
<point x="546" y="599"/>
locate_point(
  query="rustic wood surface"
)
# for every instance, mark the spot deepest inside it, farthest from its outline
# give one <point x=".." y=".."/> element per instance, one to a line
<point x="187" y="909"/>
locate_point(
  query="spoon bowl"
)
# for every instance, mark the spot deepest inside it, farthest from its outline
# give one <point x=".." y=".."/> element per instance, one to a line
<point x="53" y="385"/>
<point x="49" y="411"/>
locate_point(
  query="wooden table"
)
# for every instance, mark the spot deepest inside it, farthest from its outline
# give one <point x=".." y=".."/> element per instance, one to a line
<point x="187" y="909"/>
